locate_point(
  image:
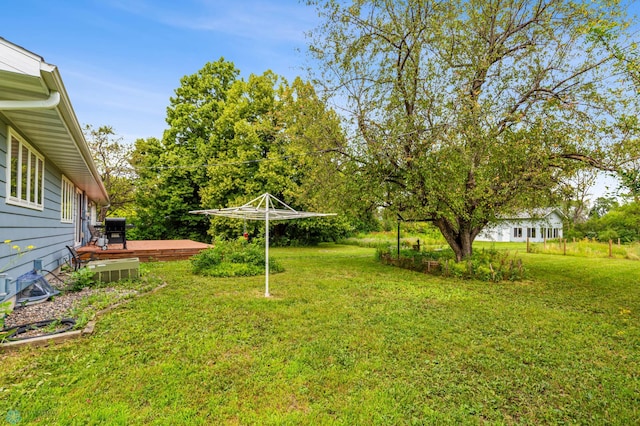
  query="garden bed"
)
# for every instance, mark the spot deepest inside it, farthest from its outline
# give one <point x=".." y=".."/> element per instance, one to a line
<point x="70" y="313"/>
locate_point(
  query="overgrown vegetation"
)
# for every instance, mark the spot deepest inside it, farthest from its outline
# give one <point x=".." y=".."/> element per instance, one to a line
<point x="82" y="278"/>
<point x="588" y="248"/>
<point x="112" y="293"/>
<point x="233" y="258"/>
<point x="484" y="265"/>
<point x="424" y="234"/>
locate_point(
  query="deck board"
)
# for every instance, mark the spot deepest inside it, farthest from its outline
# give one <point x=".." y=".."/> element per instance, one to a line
<point x="148" y="250"/>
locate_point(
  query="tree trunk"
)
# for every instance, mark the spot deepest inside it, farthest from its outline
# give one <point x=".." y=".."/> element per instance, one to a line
<point x="459" y="238"/>
<point x="102" y="213"/>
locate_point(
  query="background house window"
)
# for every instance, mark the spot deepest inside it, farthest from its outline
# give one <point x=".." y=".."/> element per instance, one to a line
<point x="67" y="195"/>
<point x="25" y="180"/>
<point x="531" y="232"/>
<point x="517" y="232"/>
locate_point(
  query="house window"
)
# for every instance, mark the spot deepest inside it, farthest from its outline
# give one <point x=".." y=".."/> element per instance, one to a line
<point x="517" y="232"/>
<point x="25" y="174"/>
<point x="67" y="195"/>
<point x="555" y="233"/>
<point x="531" y="232"/>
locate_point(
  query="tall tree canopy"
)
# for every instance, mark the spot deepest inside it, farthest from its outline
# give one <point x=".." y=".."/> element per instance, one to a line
<point x="461" y="110"/>
<point x="111" y="156"/>
<point x="230" y="140"/>
<point x="172" y="171"/>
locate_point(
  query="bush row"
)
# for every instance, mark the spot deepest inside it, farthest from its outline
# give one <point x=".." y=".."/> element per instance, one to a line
<point x="484" y="265"/>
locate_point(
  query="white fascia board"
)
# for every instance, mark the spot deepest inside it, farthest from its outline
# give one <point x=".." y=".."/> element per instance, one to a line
<point x="15" y="59"/>
<point x="51" y="76"/>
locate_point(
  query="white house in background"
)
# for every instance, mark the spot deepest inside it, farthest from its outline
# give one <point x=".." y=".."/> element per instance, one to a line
<point x="538" y="226"/>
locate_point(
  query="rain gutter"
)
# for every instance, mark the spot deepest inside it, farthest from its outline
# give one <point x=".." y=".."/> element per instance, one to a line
<point x="50" y="103"/>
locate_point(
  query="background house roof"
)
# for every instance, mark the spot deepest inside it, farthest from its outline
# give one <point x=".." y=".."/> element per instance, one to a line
<point x="541" y="213"/>
<point x="53" y="127"/>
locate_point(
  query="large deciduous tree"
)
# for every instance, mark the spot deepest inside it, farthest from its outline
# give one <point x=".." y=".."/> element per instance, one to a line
<point x="171" y="170"/>
<point x="271" y="137"/>
<point x="230" y="140"/>
<point x="462" y="110"/>
<point x="111" y="156"/>
<point x="627" y="61"/>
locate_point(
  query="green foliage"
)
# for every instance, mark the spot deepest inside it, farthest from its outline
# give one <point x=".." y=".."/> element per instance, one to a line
<point x="484" y="265"/>
<point x="411" y="235"/>
<point x="618" y="221"/>
<point x="233" y="139"/>
<point x="233" y="258"/>
<point x="602" y="206"/>
<point x="457" y="115"/>
<point x="5" y="309"/>
<point x="82" y="278"/>
<point x="171" y="172"/>
<point x="111" y="156"/>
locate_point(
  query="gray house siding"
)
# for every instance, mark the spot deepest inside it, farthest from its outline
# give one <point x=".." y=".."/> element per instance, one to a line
<point x="24" y="226"/>
<point x="36" y="106"/>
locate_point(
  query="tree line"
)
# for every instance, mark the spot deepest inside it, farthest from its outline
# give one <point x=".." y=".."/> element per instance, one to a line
<point x="457" y="112"/>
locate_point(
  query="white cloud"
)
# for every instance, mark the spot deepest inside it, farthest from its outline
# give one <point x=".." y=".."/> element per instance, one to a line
<point x="253" y="20"/>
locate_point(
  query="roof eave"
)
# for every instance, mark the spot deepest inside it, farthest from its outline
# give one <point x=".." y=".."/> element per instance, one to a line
<point x="51" y="76"/>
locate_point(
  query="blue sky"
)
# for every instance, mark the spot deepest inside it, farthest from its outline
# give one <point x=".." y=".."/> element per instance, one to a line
<point x="121" y="60"/>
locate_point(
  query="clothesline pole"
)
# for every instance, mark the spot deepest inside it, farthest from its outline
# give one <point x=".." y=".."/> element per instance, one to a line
<point x="266" y="248"/>
<point x="253" y="211"/>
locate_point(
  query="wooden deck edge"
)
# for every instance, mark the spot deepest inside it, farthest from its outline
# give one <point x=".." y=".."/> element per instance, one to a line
<point x="149" y="255"/>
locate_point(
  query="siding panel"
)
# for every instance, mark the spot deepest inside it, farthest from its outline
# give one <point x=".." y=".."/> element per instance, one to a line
<point x="24" y="226"/>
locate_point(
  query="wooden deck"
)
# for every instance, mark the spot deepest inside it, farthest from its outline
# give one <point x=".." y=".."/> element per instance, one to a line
<point x="148" y="250"/>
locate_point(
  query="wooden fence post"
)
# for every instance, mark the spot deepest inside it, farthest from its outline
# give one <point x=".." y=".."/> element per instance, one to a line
<point x="610" y="248"/>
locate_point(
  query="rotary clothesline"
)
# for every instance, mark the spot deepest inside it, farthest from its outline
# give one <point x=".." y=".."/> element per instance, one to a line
<point x="265" y="207"/>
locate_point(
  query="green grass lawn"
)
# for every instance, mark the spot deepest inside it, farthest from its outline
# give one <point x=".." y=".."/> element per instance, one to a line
<point x="345" y="340"/>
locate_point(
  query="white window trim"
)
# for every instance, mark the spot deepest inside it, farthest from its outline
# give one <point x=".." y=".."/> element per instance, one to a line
<point x="67" y="198"/>
<point x="39" y="185"/>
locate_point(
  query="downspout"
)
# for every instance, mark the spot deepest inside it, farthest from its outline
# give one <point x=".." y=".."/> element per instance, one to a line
<point x="51" y="102"/>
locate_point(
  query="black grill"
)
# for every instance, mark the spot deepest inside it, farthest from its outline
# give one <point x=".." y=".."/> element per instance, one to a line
<point x="115" y="229"/>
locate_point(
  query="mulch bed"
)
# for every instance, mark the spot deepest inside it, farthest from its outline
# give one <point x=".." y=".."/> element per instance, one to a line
<point x="58" y="307"/>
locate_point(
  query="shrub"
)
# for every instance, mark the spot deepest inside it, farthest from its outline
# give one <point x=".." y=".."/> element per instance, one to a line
<point x="232" y="258"/>
<point x="484" y="265"/>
